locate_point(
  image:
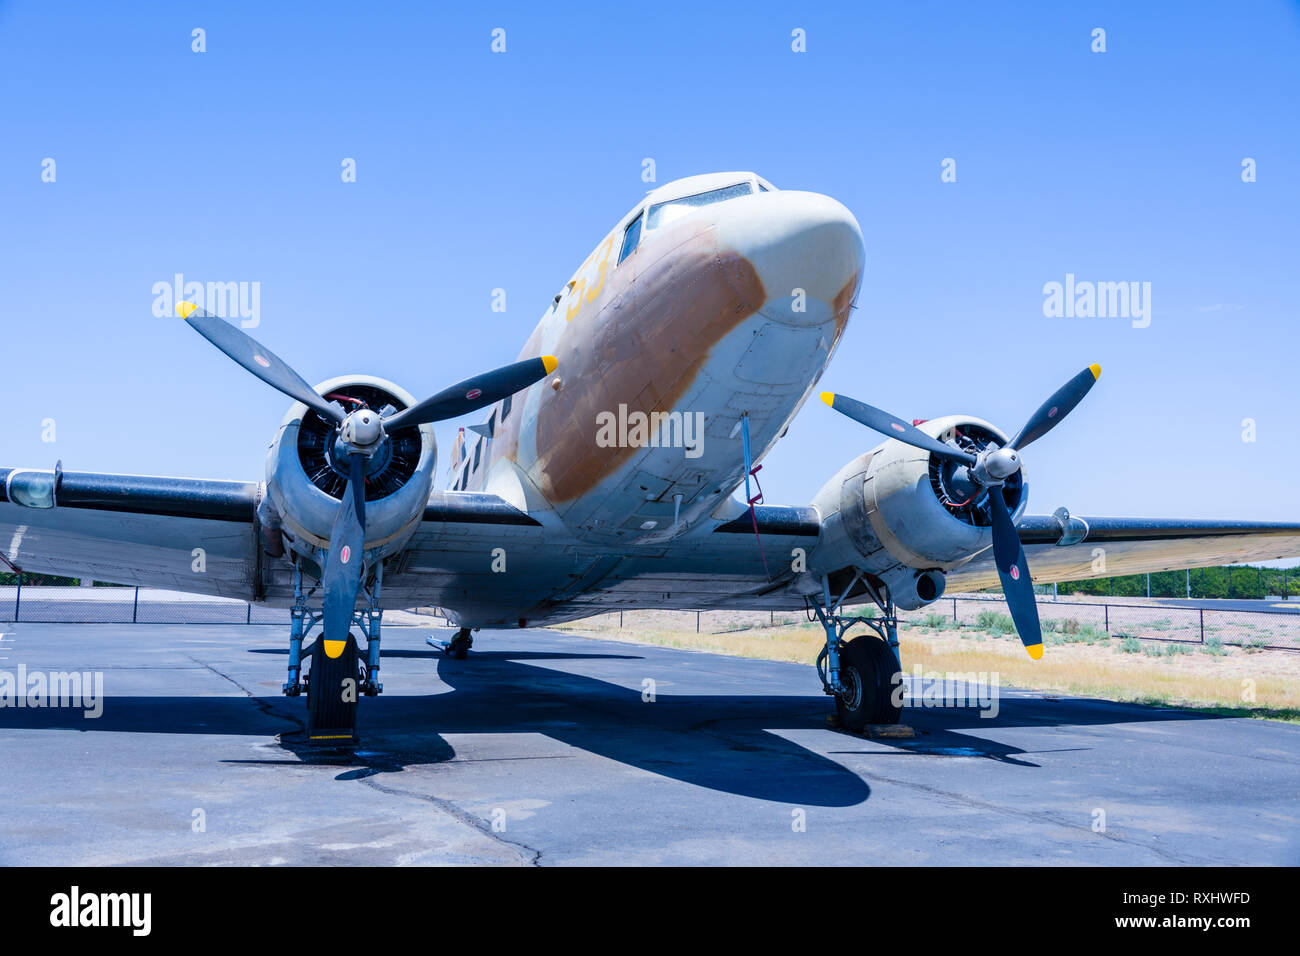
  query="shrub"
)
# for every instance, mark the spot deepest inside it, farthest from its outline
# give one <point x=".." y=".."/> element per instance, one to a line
<point x="1214" y="645"/>
<point x="936" y="621"/>
<point x="996" y="623"/>
<point x="1130" y="645"/>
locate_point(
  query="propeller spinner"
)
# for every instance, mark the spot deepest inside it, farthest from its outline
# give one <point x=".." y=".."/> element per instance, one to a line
<point x="988" y="471"/>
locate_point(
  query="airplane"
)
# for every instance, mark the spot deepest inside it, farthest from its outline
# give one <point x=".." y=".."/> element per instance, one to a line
<point x="604" y="476"/>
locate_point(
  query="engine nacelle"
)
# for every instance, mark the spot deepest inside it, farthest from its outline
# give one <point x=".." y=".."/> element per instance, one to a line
<point x="899" y="513"/>
<point x="303" y="487"/>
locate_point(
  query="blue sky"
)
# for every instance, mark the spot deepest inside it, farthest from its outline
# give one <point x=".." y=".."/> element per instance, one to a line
<point x="478" y="170"/>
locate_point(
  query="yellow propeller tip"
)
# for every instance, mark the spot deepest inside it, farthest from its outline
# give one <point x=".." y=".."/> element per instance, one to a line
<point x="551" y="363"/>
<point x="334" y="648"/>
<point x="1035" y="651"/>
<point x="829" y="398"/>
<point x="1095" y="369"/>
<point x="183" y="309"/>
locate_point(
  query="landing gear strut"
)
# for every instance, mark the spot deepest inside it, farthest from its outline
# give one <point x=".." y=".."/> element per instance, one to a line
<point x="334" y="683"/>
<point x="863" y="674"/>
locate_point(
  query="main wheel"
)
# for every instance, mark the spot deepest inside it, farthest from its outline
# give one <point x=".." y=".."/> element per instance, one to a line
<point x="332" y="690"/>
<point x="870" y="676"/>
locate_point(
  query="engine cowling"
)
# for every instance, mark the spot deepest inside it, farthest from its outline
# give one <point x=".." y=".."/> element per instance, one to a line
<point x="903" y="515"/>
<point x="303" y="485"/>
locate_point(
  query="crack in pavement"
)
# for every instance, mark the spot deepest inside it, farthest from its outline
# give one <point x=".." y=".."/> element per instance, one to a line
<point x="446" y="806"/>
<point x="1041" y="816"/>
<point x="461" y="816"/>
<point x="257" y="702"/>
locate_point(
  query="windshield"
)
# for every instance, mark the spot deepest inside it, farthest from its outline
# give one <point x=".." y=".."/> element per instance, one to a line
<point x="665" y="212"/>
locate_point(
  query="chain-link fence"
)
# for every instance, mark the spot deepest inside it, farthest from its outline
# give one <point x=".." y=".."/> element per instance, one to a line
<point x="701" y="622"/>
<point x="125" y="605"/>
<point x="1265" y="628"/>
<point x="1271" y="628"/>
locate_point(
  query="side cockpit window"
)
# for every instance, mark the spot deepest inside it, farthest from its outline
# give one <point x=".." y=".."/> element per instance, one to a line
<point x="630" y="238"/>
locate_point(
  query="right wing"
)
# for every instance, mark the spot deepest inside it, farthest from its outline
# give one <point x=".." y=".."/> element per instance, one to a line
<point x="186" y="534"/>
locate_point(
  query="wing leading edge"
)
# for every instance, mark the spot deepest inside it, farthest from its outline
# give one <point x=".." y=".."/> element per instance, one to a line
<point x="182" y="533"/>
<point x="1114" y="546"/>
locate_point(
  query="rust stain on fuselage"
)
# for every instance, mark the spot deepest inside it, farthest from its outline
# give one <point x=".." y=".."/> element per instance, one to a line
<point x="640" y="344"/>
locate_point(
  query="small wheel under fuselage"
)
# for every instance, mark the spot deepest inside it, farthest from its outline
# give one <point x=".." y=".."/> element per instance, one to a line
<point x="459" y="645"/>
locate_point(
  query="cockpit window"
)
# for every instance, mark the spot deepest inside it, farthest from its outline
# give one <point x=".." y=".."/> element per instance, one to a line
<point x="630" y="238"/>
<point x="665" y="212"/>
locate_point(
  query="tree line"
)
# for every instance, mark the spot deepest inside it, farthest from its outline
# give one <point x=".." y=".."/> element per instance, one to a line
<point x="1244" y="582"/>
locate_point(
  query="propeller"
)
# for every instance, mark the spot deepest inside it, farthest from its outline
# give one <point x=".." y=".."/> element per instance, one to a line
<point x="361" y="433"/>
<point x="989" y="470"/>
<point x="342" y="575"/>
<point x="262" y="362"/>
<point x="474" y="393"/>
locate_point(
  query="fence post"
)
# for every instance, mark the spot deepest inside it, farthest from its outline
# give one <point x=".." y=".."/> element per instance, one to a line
<point x="248" y="618"/>
<point x="620" y="620"/>
<point x="135" y="605"/>
<point x="1106" y="608"/>
<point x="954" y="610"/>
<point x="18" y="597"/>
<point x="1202" y="610"/>
<point x="697" y="622"/>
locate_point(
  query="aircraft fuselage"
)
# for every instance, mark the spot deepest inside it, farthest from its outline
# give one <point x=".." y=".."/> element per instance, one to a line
<point x="716" y="312"/>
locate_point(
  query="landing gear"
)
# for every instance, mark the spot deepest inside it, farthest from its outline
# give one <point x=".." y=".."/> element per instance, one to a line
<point x="862" y="674"/>
<point x="334" y="683"/>
<point x="460" y="644"/>
<point x="458" y="647"/>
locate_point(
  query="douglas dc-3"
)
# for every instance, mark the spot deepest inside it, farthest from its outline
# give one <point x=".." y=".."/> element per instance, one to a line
<point x="603" y="477"/>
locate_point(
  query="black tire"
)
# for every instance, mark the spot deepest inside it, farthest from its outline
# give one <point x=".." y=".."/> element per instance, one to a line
<point x="870" y="674"/>
<point x="332" y="704"/>
<point x="889" y="698"/>
<point x="460" y="644"/>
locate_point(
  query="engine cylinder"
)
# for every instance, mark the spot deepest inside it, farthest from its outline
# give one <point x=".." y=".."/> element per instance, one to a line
<point x="304" y="482"/>
<point x="898" y="510"/>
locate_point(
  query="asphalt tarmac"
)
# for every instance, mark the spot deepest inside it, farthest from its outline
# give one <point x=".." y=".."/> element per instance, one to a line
<point x="551" y="749"/>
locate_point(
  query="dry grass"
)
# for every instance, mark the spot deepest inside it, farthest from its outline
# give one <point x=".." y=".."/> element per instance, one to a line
<point x="1198" y="680"/>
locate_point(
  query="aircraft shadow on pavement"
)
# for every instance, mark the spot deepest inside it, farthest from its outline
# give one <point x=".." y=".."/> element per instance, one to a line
<point x="730" y="743"/>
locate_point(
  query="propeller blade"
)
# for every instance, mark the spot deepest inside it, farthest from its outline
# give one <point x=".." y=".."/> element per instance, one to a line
<point x="887" y="424"/>
<point x="263" y="363"/>
<point x="1061" y="403"/>
<point x="474" y="393"/>
<point x="343" y="563"/>
<point x="1013" y="569"/>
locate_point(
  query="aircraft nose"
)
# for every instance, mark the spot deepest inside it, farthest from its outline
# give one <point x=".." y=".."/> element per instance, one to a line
<point x="805" y="247"/>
